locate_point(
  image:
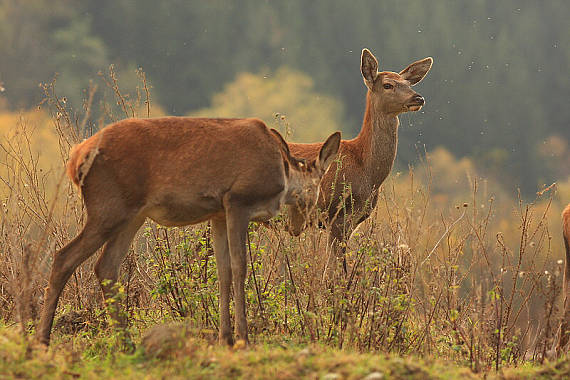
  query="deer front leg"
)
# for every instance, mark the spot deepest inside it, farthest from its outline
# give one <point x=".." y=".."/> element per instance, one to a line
<point x="237" y="223"/>
<point x="220" y="242"/>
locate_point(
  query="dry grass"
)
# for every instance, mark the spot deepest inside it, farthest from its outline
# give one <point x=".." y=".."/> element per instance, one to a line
<point x="424" y="278"/>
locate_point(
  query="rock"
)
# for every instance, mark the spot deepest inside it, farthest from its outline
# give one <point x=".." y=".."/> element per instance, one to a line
<point x="164" y="341"/>
<point x="72" y="322"/>
<point x="374" y="376"/>
<point x="305" y="352"/>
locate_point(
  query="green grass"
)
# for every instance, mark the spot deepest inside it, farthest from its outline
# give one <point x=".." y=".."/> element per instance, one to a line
<point x="188" y="356"/>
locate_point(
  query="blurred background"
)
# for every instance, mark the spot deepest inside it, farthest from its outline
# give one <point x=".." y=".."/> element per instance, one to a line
<point x="497" y="95"/>
<point x="467" y="216"/>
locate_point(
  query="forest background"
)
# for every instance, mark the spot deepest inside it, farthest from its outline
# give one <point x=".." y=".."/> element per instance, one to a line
<point x="497" y="94"/>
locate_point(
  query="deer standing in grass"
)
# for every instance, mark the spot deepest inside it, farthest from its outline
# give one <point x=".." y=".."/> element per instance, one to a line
<point x="564" y="333"/>
<point x="349" y="193"/>
<point x="179" y="171"/>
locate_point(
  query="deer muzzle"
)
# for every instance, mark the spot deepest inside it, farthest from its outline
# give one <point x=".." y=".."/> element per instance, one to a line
<point x="416" y="103"/>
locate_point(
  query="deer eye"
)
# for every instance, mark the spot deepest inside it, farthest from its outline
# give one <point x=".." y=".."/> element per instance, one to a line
<point x="388" y="86"/>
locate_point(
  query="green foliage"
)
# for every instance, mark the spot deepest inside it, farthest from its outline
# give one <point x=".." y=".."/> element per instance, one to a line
<point x="186" y="278"/>
<point x="76" y="52"/>
<point x="40" y="38"/>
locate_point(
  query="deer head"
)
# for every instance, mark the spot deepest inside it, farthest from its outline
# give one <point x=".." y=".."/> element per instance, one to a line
<point x="392" y="92"/>
<point x="305" y="176"/>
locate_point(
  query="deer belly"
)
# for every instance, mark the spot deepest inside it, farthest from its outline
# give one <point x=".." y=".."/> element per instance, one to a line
<point x="181" y="212"/>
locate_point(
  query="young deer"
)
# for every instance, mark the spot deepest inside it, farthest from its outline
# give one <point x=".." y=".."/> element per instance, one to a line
<point x="564" y="332"/>
<point x="179" y="171"/>
<point x="349" y="192"/>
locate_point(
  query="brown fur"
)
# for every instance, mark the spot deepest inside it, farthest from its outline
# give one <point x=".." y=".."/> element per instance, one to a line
<point x="367" y="159"/>
<point x="180" y="171"/>
<point x="81" y="158"/>
<point x="564" y="332"/>
<point x="76" y="158"/>
<point x="72" y="166"/>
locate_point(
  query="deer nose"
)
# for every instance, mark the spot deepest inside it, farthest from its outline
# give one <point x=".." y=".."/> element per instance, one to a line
<point x="418" y="98"/>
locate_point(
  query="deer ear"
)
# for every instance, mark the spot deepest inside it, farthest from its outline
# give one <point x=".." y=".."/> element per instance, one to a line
<point x="284" y="146"/>
<point x="328" y="152"/>
<point x="368" y="67"/>
<point x="416" y="71"/>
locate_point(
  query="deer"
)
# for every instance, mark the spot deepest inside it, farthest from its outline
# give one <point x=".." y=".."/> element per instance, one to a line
<point x="349" y="189"/>
<point x="179" y="171"/>
<point x="564" y="330"/>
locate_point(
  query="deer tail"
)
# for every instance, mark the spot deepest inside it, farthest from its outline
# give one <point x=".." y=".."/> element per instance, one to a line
<point x="81" y="159"/>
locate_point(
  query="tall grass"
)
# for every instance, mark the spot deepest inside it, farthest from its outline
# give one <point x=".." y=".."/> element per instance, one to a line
<point x="425" y="277"/>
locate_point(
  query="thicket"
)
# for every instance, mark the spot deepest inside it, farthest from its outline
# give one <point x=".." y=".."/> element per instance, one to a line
<point x="447" y="266"/>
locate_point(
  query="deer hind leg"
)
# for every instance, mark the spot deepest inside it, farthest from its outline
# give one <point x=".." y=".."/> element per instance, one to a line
<point x="223" y="264"/>
<point x="237" y="223"/>
<point x="109" y="263"/>
<point x="65" y="261"/>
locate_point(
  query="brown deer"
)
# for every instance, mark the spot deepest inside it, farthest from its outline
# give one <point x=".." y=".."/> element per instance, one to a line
<point x="179" y="171"/>
<point x="564" y="332"/>
<point x="349" y="189"/>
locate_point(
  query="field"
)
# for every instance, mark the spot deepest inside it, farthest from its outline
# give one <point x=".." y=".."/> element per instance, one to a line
<point x="198" y="358"/>
<point x="451" y="277"/>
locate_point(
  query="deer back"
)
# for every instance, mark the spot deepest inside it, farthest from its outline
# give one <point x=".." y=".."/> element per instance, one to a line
<point x="193" y="160"/>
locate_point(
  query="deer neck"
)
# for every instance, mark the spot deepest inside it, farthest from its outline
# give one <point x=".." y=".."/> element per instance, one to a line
<point x="378" y="142"/>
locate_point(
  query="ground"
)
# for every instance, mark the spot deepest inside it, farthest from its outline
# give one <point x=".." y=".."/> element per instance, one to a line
<point x="171" y="351"/>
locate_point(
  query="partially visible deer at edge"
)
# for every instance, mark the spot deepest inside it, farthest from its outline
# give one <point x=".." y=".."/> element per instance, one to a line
<point x="564" y="331"/>
<point x="367" y="159"/>
<point x="180" y="171"/>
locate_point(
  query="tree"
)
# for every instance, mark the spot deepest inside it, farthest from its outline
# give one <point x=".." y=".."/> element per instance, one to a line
<point x="287" y="94"/>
